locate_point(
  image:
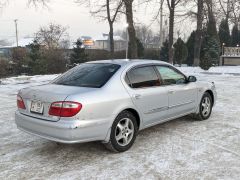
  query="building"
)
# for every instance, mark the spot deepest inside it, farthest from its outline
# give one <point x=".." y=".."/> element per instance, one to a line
<point x="88" y="42"/>
<point x="103" y="43"/>
<point x="6" y="50"/>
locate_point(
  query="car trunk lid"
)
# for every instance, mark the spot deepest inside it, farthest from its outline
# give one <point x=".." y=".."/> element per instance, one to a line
<point x="44" y="96"/>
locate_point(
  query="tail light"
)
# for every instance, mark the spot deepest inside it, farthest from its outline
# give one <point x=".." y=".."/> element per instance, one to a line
<point x="64" y="109"/>
<point x="20" y="102"/>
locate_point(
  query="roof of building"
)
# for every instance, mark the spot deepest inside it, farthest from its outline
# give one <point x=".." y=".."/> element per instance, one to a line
<point x="104" y="37"/>
<point x="21" y="43"/>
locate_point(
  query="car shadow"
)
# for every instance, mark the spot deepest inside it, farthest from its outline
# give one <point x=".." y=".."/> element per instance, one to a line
<point x="94" y="148"/>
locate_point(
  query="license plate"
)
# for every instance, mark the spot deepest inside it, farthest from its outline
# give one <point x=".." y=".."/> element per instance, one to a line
<point x="37" y="107"/>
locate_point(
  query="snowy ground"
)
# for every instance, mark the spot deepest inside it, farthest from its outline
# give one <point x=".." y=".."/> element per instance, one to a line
<point x="180" y="149"/>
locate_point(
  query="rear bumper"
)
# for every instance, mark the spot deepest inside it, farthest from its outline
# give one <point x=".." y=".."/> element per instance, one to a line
<point x="64" y="131"/>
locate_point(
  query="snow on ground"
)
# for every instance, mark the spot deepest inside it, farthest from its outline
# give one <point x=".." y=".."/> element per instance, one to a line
<point x="180" y="149"/>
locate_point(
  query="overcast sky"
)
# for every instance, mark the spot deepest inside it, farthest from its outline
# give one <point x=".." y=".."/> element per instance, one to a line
<point x="64" y="12"/>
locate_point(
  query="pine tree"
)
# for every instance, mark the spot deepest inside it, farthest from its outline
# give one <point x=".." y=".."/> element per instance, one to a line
<point x="224" y="33"/>
<point x="78" y="55"/>
<point x="190" y="47"/>
<point x="210" y="52"/>
<point x="37" y="63"/>
<point x="34" y="53"/>
<point x="180" y="52"/>
<point x="164" y="52"/>
<point x="235" y="38"/>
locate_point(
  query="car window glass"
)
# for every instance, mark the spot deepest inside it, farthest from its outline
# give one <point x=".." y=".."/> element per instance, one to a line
<point x="170" y="76"/>
<point x="143" y="77"/>
<point x="88" y="75"/>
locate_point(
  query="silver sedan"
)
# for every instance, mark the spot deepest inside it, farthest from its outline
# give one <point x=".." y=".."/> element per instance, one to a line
<point x="110" y="101"/>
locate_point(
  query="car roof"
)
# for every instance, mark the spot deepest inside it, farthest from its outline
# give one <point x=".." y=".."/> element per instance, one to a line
<point x="131" y="61"/>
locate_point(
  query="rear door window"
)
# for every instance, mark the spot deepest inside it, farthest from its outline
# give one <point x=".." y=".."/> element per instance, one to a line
<point x="93" y="75"/>
<point x="143" y="77"/>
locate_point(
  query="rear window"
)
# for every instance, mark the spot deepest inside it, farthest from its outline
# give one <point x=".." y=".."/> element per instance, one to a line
<point x="143" y="77"/>
<point x="93" y="75"/>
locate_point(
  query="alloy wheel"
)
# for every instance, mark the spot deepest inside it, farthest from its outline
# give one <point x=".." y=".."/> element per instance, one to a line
<point x="124" y="131"/>
<point x="206" y="106"/>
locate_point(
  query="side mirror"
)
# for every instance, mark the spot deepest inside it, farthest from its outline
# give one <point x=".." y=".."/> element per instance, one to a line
<point x="192" y="79"/>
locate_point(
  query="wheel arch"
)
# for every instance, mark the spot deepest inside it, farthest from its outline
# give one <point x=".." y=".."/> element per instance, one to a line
<point x="129" y="109"/>
<point x="135" y="113"/>
<point x="211" y="94"/>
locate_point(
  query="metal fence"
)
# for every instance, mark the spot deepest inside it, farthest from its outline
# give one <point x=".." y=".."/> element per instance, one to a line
<point x="231" y="52"/>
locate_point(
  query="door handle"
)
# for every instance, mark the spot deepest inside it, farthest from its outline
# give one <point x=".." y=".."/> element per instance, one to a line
<point x="137" y="96"/>
<point x="171" y="92"/>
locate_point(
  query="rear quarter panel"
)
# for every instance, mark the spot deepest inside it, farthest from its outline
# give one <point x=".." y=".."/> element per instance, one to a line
<point x="104" y="103"/>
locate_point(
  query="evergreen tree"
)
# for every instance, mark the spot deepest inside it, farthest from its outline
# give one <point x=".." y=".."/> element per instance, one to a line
<point x="180" y="52"/>
<point x="224" y="33"/>
<point x="164" y="52"/>
<point x="34" y="53"/>
<point x="235" y="38"/>
<point x="190" y="47"/>
<point x="78" y="55"/>
<point x="38" y="63"/>
<point x="210" y="49"/>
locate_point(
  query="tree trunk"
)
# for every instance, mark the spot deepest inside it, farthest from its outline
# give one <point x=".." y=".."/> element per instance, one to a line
<point x="171" y="26"/>
<point x="198" y="37"/>
<point x="131" y="30"/>
<point x="110" y="35"/>
<point x="111" y="40"/>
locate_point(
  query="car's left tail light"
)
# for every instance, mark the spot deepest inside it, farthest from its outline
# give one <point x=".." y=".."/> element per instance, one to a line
<point x="20" y="102"/>
<point x="65" y="108"/>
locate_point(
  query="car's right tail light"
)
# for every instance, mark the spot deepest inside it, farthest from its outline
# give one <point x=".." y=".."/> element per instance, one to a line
<point x="64" y="108"/>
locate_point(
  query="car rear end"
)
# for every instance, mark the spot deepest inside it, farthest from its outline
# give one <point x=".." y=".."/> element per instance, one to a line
<point x="51" y="112"/>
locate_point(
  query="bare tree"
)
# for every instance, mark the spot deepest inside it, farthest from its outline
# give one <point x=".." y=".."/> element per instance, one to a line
<point x="29" y="2"/>
<point x="225" y="7"/>
<point x="52" y="36"/>
<point x="171" y="6"/>
<point x="230" y="9"/>
<point x="3" y="3"/>
<point x="131" y="30"/>
<point x="211" y="14"/>
<point x="111" y="10"/>
<point x="111" y="19"/>
<point x="198" y="36"/>
<point x="37" y="2"/>
<point x="147" y="36"/>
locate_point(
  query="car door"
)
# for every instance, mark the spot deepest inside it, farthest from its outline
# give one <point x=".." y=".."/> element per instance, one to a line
<point x="182" y="96"/>
<point x="150" y="98"/>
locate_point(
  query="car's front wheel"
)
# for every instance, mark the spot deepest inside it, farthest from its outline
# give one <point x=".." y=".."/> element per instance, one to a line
<point x="205" y="107"/>
<point x="123" y="132"/>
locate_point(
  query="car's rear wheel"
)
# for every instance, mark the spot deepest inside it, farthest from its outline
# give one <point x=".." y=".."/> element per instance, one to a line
<point x="123" y="132"/>
<point x="205" y="107"/>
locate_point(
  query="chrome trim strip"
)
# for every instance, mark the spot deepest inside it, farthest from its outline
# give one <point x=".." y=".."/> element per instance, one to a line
<point x="181" y="104"/>
<point x="157" y="110"/>
<point x="167" y="108"/>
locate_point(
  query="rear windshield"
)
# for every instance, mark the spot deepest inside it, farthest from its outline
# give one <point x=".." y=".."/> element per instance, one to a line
<point x="93" y="75"/>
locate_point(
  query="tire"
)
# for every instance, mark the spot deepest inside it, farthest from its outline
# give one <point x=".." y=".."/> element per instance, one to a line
<point x="123" y="132"/>
<point x="205" y="107"/>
